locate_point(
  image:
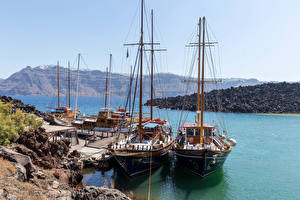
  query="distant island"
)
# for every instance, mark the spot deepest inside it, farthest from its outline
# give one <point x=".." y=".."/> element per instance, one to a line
<point x="41" y="81"/>
<point x="265" y="98"/>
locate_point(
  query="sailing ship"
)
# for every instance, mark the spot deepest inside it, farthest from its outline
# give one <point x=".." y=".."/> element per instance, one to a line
<point x="107" y="119"/>
<point x="62" y="115"/>
<point x="149" y="141"/>
<point x="198" y="146"/>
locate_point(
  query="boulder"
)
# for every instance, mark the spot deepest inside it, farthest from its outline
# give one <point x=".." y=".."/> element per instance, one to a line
<point x="22" y="162"/>
<point x="98" y="193"/>
<point x="70" y="177"/>
<point x="43" y="152"/>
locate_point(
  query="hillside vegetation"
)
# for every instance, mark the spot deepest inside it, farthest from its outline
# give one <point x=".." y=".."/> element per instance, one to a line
<point x="13" y="123"/>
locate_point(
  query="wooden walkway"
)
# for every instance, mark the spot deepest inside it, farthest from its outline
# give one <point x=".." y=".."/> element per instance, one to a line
<point x="56" y="132"/>
<point x="102" y="143"/>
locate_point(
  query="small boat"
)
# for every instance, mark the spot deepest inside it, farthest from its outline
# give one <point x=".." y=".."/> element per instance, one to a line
<point x="200" y="147"/>
<point x="63" y="116"/>
<point x="149" y="140"/>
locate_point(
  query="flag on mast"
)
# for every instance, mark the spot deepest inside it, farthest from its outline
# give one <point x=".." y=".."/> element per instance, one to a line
<point x="127" y="54"/>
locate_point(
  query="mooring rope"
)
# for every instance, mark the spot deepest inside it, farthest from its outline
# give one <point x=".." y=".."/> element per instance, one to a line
<point x="149" y="190"/>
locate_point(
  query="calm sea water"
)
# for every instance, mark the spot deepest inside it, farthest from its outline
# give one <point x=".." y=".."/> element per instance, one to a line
<point x="265" y="164"/>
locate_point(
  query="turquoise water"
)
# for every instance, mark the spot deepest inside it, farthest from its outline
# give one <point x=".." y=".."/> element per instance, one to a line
<point x="265" y="164"/>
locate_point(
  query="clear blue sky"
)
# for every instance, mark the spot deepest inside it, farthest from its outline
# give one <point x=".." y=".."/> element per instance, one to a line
<point x="258" y="38"/>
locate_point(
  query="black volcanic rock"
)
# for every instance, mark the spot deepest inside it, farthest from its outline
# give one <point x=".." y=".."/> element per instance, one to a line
<point x="42" y="81"/>
<point x="266" y="98"/>
<point x="18" y="104"/>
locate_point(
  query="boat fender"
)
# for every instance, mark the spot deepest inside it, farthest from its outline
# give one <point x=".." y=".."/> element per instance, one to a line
<point x="232" y="142"/>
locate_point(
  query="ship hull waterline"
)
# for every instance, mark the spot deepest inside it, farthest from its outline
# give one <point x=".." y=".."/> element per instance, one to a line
<point x="135" y="163"/>
<point x="201" y="163"/>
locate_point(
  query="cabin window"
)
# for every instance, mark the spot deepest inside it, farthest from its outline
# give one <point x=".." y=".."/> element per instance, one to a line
<point x="207" y="132"/>
<point x="190" y="132"/>
<point x="197" y="131"/>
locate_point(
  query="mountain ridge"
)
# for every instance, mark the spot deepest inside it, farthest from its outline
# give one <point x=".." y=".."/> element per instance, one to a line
<point x="41" y="81"/>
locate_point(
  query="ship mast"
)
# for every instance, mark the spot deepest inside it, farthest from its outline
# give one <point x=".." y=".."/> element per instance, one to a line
<point x="199" y="80"/>
<point x="152" y="59"/>
<point x="105" y="99"/>
<point x="109" y="82"/>
<point x="202" y="82"/>
<point x="77" y="86"/>
<point x="69" y="84"/>
<point x="58" y="97"/>
<point x="141" y="70"/>
<point x="130" y="95"/>
<point x="152" y="62"/>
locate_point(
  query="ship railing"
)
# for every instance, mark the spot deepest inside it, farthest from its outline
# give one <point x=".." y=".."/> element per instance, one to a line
<point x="225" y="144"/>
<point x="137" y="147"/>
<point x="217" y="143"/>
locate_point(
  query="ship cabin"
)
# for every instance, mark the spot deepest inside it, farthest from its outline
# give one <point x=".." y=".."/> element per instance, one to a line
<point x="63" y="111"/>
<point x="192" y="132"/>
<point x="151" y="130"/>
<point x="111" y="113"/>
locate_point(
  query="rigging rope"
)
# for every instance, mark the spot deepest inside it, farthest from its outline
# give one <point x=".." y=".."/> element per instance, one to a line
<point x="128" y="96"/>
<point x="149" y="188"/>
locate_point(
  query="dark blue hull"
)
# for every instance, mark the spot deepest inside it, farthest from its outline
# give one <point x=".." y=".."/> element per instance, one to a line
<point x="137" y="164"/>
<point x="201" y="163"/>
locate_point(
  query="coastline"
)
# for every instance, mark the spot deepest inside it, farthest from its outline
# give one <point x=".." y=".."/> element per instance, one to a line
<point x="46" y="168"/>
<point x="279" y="114"/>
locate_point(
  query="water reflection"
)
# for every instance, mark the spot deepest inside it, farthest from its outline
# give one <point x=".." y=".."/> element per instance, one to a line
<point x="191" y="185"/>
<point x="171" y="181"/>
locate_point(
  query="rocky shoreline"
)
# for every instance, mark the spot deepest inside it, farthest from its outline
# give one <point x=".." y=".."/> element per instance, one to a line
<point x="266" y="98"/>
<point x="42" y="169"/>
<point x="26" y="108"/>
<point x="35" y="167"/>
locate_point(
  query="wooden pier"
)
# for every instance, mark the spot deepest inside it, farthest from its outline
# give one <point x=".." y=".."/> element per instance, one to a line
<point x="91" y="144"/>
<point x="57" y="132"/>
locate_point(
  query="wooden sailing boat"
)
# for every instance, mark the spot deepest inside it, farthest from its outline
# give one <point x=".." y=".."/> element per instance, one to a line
<point x="107" y="119"/>
<point x="149" y="143"/>
<point x="199" y="146"/>
<point x="62" y="115"/>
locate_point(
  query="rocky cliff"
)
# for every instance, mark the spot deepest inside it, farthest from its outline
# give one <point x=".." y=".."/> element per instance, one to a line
<point x="266" y="98"/>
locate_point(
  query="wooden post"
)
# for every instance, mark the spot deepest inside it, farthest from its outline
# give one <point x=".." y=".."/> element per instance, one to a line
<point x="76" y="135"/>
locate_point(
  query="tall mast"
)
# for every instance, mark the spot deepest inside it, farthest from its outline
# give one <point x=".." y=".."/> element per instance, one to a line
<point x="202" y="82"/>
<point x="106" y="88"/>
<point x="199" y="81"/>
<point x="77" y="85"/>
<point x="109" y="80"/>
<point x="58" y="97"/>
<point x="69" y="84"/>
<point x="152" y="66"/>
<point x="130" y="95"/>
<point x="141" y="68"/>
